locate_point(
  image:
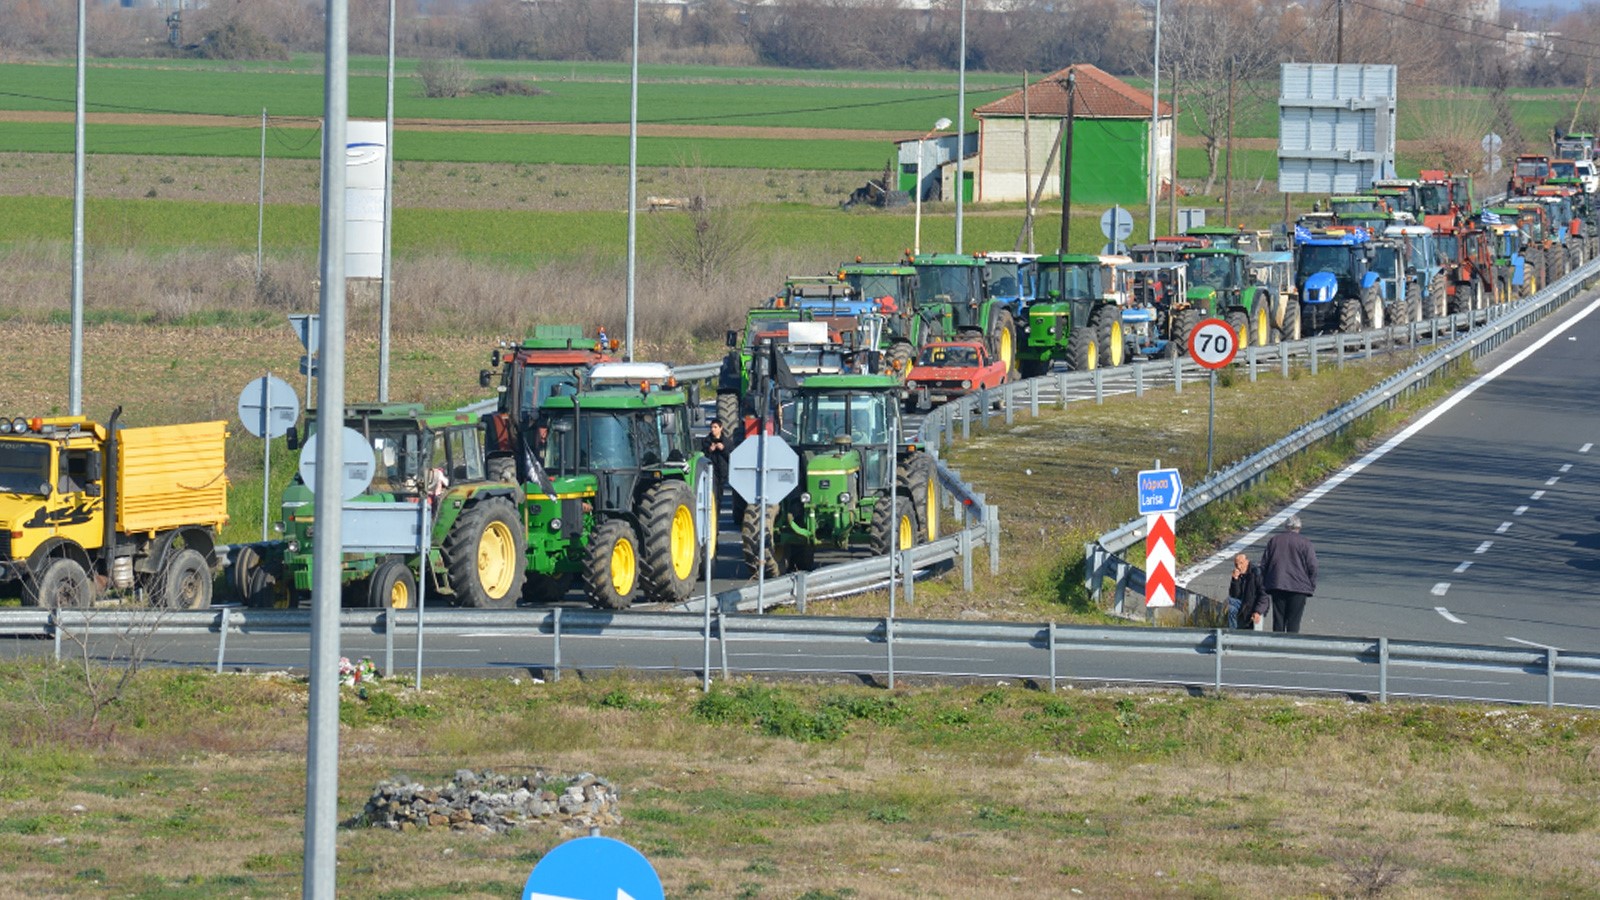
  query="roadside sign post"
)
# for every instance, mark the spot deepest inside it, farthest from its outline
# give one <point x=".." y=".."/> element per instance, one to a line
<point x="1160" y="492"/>
<point x="763" y="471"/>
<point x="1116" y="224"/>
<point x="268" y="407"/>
<point x="706" y="530"/>
<point x="1212" y="345"/>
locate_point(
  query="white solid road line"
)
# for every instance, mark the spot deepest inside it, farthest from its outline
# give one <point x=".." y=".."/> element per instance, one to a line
<point x="1405" y="434"/>
<point x="1448" y="616"/>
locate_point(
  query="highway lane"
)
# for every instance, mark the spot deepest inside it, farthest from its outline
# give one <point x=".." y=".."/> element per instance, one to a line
<point x="1478" y="522"/>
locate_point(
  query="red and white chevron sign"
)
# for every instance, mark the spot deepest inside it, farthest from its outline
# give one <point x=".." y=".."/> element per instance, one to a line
<point x="1160" y="561"/>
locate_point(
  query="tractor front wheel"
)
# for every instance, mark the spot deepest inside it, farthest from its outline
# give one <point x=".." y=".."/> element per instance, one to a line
<point x="1003" y="340"/>
<point x="895" y="529"/>
<point x="1083" y="349"/>
<point x="392" y="586"/>
<point x="611" y="567"/>
<point x="776" y="554"/>
<point x="485" y="554"/>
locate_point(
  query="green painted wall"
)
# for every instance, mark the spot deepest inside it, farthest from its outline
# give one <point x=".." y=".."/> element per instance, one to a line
<point x="1109" y="161"/>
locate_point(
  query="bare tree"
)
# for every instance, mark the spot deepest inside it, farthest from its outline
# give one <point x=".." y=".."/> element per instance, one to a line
<point x="701" y="237"/>
<point x="1211" y="41"/>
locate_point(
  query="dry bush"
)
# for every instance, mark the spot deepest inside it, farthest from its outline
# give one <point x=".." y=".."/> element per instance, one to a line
<point x="711" y="55"/>
<point x="1369" y="873"/>
<point x="1451" y="131"/>
<point x="444" y="78"/>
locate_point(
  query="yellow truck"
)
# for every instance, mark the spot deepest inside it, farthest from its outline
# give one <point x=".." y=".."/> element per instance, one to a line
<point x="86" y="509"/>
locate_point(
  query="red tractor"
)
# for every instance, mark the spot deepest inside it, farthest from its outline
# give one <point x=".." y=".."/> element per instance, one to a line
<point x="1468" y="253"/>
<point x="1446" y="197"/>
<point x="1530" y="170"/>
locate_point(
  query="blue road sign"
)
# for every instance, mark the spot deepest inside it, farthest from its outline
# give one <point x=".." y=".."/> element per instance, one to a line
<point x="1160" y="491"/>
<point x="593" y="868"/>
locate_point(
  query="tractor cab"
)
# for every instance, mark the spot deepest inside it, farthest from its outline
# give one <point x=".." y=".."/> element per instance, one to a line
<point x="549" y="361"/>
<point x="1355" y="205"/>
<point x="1530" y="170"/>
<point x="1401" y="194"/>
<point x="1013" y="278"/>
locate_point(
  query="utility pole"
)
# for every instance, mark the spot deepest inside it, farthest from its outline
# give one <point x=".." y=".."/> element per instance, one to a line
<point x="1066" y="164"/>
<point x="1338" y="43"/>
<point x="1172" y="161"/>
<point x="1227" y="172"/>
<point x="1027" y="162"/>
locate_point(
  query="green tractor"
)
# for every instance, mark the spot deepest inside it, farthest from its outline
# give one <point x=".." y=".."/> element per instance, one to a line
<point x="1078" y="316"/>
<point x="613" y="504"/>
<point x="475" y="544"/>
<point x="907" y="327"/>
<point x="1221" y="285"/>
<point x="738" y="380"/>
<point x="955" y="285"/>
<point x="843" y="428"/>
<point x="549" y="360"/>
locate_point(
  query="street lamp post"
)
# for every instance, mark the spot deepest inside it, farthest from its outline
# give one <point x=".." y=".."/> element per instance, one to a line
<point x="916" y="239"/>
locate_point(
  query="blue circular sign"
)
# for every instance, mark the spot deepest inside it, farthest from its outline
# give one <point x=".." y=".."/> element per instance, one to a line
<point x="593" y="868"/>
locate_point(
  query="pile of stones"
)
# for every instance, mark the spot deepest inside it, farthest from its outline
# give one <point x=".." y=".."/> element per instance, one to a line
<point x="488" y="802"/>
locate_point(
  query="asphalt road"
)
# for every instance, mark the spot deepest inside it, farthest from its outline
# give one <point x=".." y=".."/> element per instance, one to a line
<point x="1480" y="521"/>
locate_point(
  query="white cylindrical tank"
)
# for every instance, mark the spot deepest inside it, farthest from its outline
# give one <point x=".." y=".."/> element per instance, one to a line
<point x="363" y="198"/>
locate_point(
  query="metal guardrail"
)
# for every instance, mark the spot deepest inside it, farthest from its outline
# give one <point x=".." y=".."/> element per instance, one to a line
<point x="1103" y="557"/>
<point x="1381" y="655"/>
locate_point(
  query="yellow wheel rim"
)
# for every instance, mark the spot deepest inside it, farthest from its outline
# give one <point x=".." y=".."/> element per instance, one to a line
<point x="1093" y="356"/>
<point x="399" y="596"/>
<point x="1114" y="352"/>
<point x="1261" y="324"/>
<point x="624" y="567"/>
<point x="682" y="537"/>
<point x="496" y="550"/>
<point x="907" y="532"/>
<point x="1007" y="351"/>
<point x="931" y="514"/>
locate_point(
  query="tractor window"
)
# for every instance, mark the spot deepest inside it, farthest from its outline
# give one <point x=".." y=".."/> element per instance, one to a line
<point x="1314" y="259"/>
<point x="1072" y="282"/>
<point x="24" y="468"/>
<point x="1212" y="271"/>
<point x="1435" y="199"/>
<point x="397" y="454"/>
<point x="536" y="388"/>
<point x="1384" y="260"/>
<point x="466" y="455"/>
<point x="607" y="442"/>
<point x="1003" y="280"/>
<point x="876" y="286"/>
<point x="956" y="282"/>
<point x="1449" y="247"/>
<point x="1562" y="168"/>
<point x="675" y="439"/>
<point x="74" y="471"/>
<point x="868" y="423"/>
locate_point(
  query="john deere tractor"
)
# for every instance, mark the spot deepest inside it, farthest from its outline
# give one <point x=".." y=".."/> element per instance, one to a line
<point x="550" y="360"/>
<point x="1220" y="285"/>
<point x="613" y="505"/>
<point x="1078" y="317"/>
<point x="476" y="542"/>
<point x="843" y="429"/>
<point x="907" y="327"/>
<point x="956" y="286"/>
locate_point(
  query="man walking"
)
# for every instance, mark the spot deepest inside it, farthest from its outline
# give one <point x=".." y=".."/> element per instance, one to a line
<point x="1289" y="572"/>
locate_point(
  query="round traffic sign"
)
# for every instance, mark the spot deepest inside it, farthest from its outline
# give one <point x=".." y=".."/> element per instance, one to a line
<point x="1116" y="223"/>
<point x="1213" y="343"/>
<point x="268" y="406"/>
<point x="359" y="464"/>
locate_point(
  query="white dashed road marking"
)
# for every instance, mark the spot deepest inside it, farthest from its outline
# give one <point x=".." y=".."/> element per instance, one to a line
<point x="1585" y="448"/>
<point x="1463" y="567"/>
<point x="1448" y="617"/>
<point x="1519" y="510"/>
<point x="1440" y="588"/>
<point x="1484" y="547"/>
<point x="1537" y="495"/>
<point x="1566" y="468"/>
<point x="1551" y="480"/>
<point x="1504" y="526"/>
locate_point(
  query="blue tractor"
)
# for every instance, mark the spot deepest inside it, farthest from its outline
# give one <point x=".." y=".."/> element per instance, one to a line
<point x="1341" y="290"/>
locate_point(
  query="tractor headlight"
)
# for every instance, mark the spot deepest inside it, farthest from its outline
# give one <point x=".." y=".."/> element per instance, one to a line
<point x="911" y="383"/>
<point x="844" y="497"/>
<point x="19" y="425"/>
<point x="5" y="426"/>
<point x="805" y="497"/>
<point x="555" y="524"/>
<point x="292" y="546"/>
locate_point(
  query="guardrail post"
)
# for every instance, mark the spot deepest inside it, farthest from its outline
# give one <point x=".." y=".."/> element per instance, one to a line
<point x="1177" y="374"/>
<point x="983" y="407"/>
<point x="1052" y="657"/>
<point x="1099" y="378"/>
<point x="1061" y="391"/>
<point x="222" y="639"/>
<point x="1283" y="361"/>
<point x="55" y="631"/>
<point x="1091" y="576"/>
<point x="388" y="641"/>
<point x="555" y="662"/>
<point x="991" y="517"/>
<point x="1313" y="346"/>
<point x="722" y="640"/>
<point x="1138" y="379"/>
<point x="908" y="575"/>
<point x="888" y="643"/>
<point x="1033" y="398"/>
<point x="1550" y="676"/>
<point x="966" y="560"/>
<point x="1433" y="330"/>
<point x="1216" y="634"/>
<point x="1383" y="670"/>
<point x="966" y="423"/>
<point x="1008" y="396"/>
<point x="1366" y="343"/>
<point x="1120" y="591"/>
<point x="1250" y="361"/>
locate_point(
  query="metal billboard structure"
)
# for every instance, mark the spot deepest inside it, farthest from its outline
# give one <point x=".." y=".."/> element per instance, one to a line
<point x="1335" y="127"/>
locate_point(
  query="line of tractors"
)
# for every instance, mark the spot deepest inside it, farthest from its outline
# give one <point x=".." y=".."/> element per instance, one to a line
<point x="588" y="474"/>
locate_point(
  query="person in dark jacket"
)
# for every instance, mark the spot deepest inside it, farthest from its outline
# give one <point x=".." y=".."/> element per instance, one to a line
<point x="1289" y="573"/>
<point x="716" y="448"/>
<point x="1248" y="601"/>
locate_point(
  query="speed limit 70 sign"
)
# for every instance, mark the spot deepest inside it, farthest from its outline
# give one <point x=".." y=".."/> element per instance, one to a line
<point x="1213" y="343"/>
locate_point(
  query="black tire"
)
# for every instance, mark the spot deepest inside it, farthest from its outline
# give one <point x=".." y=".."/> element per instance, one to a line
<point x="60" y="584"/>
<point x="1461" y="300"/>
<point x="392" y="586"/>
<point x="501" y="468"/>
<point x="485" y="554"/>
<point x="1239" y="321"/>
<point x="1002" y="341"/>
<point x="669" y="551"/>
<point x="1261" y="319"/>
<point x="882" y="530"/>
<point x="920" y="474"/>
<point x="252" y="583"/>
<point x="898" y="359"/>
<point x="1290" y="329"/>
<point x="780" y="557"/>
<point x="1406" y="303"/>
<point x="1436" y="295"/>
<point x="546" y="589"/>
<point x="1033" y="368"/>
<point x="1107" y="324"/>
<point x="1184" y="322"/>
<point x="728" y="412"/>
<point x="184" y="581"/>
<point x="1372" y="307"/>
<point x="1083" y="349"/>
<point x="611" y="567"/>
<point x="1533" y="270"/>
<point x="1350" y="316"/>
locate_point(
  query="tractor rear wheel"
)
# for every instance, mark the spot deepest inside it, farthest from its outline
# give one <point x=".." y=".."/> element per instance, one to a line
<point x="896" y="529"/>
<point x="501" y="468"/>
<point x="485" y="554"/>
<point x="250" y="580"/>
<point x="1239" y="321"/>
<point x="1399" y="310"/>
<point x="777" y="554"/>
<point x="728" y="414"/>
<point x="1108" y="334"/>
<point x="1436" y="293"/>
<point x="611" y="567"/>
<point x="1003" y="340"/>
<point x="63" y="584"/>
<point x="920" y="476"/>
<point x="1083" y="349"/>
<point x="899" y="359"/>
<point x="1372" y="307"/>
<point x="1183" y="322"/>
<point x="392" y="586"/>
<point x="668" y="542"/>
<point x="1261" y="312"/>
<point x="1290" y="329"/>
